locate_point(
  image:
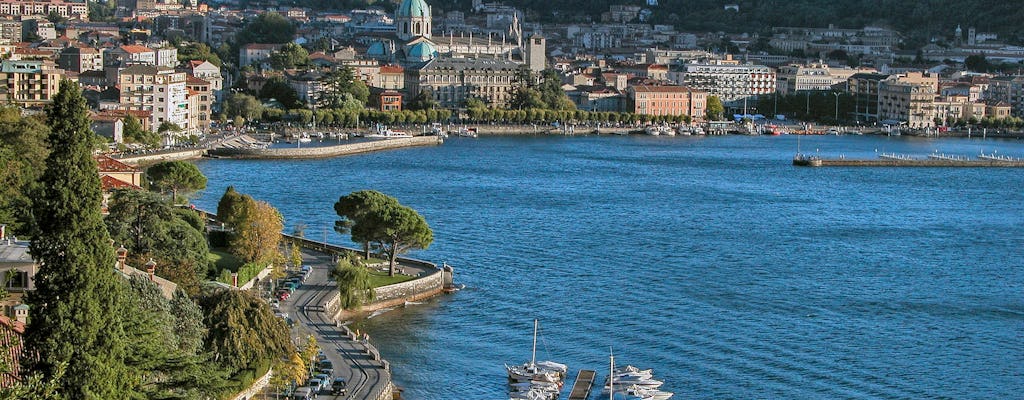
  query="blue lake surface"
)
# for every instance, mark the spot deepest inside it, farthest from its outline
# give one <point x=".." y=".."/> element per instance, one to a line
<point x="711" y="260"/>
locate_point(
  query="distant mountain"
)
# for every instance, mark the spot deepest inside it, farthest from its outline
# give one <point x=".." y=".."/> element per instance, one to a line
<point x="919" y="20"/>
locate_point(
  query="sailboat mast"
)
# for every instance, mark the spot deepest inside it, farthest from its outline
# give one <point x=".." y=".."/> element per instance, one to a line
<point x="533" y="357"/>
<point x="611" y="376"/>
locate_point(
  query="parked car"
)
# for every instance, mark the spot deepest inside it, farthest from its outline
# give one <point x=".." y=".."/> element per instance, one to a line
<point x="304" y="393"/>
<point x="338" y="387"/>
<point x="283" y="295"/>
<point x="315" y="384"/>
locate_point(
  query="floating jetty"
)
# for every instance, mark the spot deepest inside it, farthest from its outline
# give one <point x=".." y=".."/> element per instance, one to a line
<point x="901" y="160"/>
<point x="584" y="382"/>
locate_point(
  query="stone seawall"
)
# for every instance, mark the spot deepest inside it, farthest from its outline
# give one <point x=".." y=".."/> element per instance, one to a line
<point x="162" y="156"/>
<point x="327" y="151"/>
<point x="414" y="290"/>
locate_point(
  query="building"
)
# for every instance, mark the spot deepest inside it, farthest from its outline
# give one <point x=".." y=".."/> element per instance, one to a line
<point x="126" y="55"/>
<point x="70" y="10"/>
<point x="666" y="100"/>
<point x="864" y="88"/>
<point x="391" y="77"/>
<point x="390" y="100"/>
<point x="798" y="78"/>
<point x="732" y="82"/>
<point x="160" y="90"/>
<point x="908" y="103"/>
<point x="200" y="104"/>
<point x="17" y="267"/>
<point x="29" y="83"/>
<point x="256" y="53"/>
<point x="208" y="72"/>
<point x="453" y="80"/>
<point x="1010" y="90"/>
<point x="80" y="59"/>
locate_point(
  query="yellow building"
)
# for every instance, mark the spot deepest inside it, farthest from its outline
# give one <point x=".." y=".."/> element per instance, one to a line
<point x="29" y="83"/>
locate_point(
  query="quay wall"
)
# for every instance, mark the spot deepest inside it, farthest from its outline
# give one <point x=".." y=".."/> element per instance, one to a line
<point x="154" y="158"/>
<point x="327" y="151"/>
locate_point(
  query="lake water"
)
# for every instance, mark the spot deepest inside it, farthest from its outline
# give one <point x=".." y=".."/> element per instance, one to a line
<point x="710" y="259"/>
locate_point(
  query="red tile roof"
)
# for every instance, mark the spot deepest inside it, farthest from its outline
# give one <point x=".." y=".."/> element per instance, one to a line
<point x="107" y="164"/>
<point x="108" y="183"/>
<point x="11" y="333"/>
<point x="391" y="69"/>
<point x="131" y="48"/>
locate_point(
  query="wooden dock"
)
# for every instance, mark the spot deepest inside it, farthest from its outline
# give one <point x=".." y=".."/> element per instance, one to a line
<point x="584" y="382"/>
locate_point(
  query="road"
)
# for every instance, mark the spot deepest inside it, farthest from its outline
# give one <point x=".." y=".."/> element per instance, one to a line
<point x="366" y="377"/>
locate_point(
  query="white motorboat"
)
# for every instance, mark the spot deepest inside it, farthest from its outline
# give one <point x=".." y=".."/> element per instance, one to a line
<point x="467" y="132"/>
<point x="652" y="130"/>
<point x="383" y="132"/>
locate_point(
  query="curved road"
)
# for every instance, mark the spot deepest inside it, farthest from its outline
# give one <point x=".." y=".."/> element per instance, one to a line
<point x="366" y="378"/>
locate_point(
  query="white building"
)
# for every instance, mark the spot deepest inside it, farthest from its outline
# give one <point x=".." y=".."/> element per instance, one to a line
<point x="160" y="90"/>
<point x="731" y="81"/>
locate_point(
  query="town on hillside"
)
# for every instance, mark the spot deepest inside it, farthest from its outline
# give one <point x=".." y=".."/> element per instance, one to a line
<point x="163" y="74"/>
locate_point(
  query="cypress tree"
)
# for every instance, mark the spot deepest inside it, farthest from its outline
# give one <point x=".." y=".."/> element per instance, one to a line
<point x="77" y="305"/>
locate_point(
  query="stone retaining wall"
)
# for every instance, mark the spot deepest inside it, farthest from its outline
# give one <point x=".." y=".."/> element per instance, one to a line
<point x="327" y="151"/>
<point x="163" y="156"/>
<point x="399" y="293"/>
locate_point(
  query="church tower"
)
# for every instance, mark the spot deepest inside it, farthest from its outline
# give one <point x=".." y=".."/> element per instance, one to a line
<point x="412" y="20"/>
<point x="536" y="46"/>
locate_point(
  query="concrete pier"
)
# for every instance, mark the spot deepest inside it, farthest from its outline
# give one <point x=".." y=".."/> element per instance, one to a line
<point x="811" y="161"/>
<point x="326" y="151"/>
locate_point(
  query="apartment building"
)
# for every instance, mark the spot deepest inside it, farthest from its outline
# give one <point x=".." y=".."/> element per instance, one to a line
<point x="76" y="10"/>
<point x="29" y="83"/>
<point x="161" y="90"/>
<point x="80" y="59"/>
<point x="1010" y="90"/>
<point x="906" y="101"/>
<point x="731" y="81"/>
<point x="200" y="104"/>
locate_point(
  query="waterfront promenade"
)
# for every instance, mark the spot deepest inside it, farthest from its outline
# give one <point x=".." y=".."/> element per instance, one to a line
<point x="368" y="376"/>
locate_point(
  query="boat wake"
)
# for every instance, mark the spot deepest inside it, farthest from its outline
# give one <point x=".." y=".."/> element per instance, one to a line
<point x="411" y="303"/>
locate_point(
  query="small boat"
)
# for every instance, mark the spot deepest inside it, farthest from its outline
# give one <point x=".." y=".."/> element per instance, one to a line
<point x="383" y="132"/>
<point x="537" y="379"/>
<point x="467" y="132"/>
<point x="652" y="130"/>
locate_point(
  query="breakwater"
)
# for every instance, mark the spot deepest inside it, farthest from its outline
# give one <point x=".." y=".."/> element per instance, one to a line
<point x="326" y="151"/>
<point x="905" y="162"/>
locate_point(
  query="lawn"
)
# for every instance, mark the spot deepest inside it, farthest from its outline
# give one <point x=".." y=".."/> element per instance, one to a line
<point x="378" y="279"/>
<point x="224" y="260"/>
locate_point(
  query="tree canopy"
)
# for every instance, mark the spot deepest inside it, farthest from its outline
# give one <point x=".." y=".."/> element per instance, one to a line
<point x="23" y="152"/>
<point x="177" y="176"/>
<point x="714" y="108"/>
<point x="242" y="329"/>
<point x="78" y="304"/>
<point x="353" y="279"/>
<point x="374" y="218"/>
<point x="148" y="227"/>
<point x="198" y="51"/>
<point x="289" y="56"/>
<point x="243" y="105"/>
<point x="276" y="88"/>
<point x="269" y="27"/>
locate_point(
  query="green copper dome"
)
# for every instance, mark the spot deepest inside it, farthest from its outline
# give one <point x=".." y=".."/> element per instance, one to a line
<point x="413" y="8"/>
<point x="422" y="51"/>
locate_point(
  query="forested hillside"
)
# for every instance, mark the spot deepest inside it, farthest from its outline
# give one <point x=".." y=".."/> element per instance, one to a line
<point x="918" y="20"/>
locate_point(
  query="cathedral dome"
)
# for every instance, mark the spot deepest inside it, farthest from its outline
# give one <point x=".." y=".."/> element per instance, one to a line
<point x="421" y="51"/>
<point x="413" y="9"/>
